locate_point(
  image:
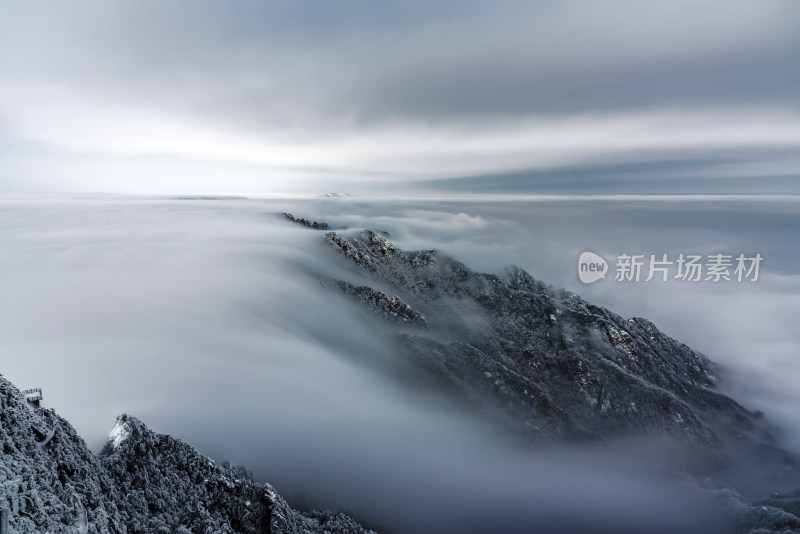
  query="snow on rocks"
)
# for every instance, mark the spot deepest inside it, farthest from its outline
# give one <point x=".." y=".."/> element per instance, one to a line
<point x="142" y="482"/>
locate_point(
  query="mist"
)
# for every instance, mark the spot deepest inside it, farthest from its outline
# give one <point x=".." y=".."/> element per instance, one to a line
<point x="207" y="319"/>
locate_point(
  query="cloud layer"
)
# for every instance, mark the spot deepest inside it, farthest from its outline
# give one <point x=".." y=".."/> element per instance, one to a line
<point x="206" y="319"/>
<point x="216" y="97"/>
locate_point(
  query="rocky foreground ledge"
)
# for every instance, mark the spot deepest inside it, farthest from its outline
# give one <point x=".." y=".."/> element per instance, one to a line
<point x="142" y="482"/>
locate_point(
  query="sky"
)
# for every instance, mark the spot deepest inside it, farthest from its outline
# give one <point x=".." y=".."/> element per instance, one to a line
<point x="376" y="97"/>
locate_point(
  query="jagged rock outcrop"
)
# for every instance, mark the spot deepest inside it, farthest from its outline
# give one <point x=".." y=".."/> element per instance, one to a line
<point x="392" y="308"/>
<point x="168" y="486"/>
<point x="560" y="367"/>
<point x="57" y="487"/>
<point x="308" y="224"/>
<point x="142" y="482"/>
<point x="554" y="367"/>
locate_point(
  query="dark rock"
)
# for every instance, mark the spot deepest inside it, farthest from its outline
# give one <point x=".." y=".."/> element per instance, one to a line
<point x="561" y="367"/>
<point x="308" y="224"/>
<point x="392" y="308"/>
<point x="551" y="367"/>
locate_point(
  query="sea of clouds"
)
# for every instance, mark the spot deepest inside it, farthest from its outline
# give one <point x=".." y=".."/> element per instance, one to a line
<point x="206" y="318"/>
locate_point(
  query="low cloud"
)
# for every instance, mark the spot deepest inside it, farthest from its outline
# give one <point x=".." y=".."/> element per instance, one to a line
<point x="206" y="319"/>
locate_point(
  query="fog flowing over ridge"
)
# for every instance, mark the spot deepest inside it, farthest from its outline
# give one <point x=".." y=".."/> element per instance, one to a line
<point x="400" y="348"/>
<point x="206" y="318"/>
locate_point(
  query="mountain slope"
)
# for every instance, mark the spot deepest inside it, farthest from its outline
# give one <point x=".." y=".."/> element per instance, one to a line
<point x="555" y="367"/>
<point x="142" y="482"/>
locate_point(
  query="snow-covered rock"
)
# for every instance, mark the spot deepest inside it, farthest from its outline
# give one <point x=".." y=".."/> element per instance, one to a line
<point x="552" y="367"/>
<point x="142" y="482"/>
<point x="392" y="308"/>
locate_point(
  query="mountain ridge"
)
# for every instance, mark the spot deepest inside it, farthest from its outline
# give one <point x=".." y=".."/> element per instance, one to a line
<point x="553" y="368"/>
<point x="547" y="365"/>
<point x="141" y="482"/>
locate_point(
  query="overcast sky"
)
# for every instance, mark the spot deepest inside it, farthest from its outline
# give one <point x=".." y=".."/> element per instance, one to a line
<point x="261" y="97"/>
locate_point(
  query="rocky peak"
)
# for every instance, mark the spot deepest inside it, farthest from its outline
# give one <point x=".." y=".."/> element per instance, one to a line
<point x="142" y="482"/>
<point x="563" y="368"/>
<point x="305" y="222"/>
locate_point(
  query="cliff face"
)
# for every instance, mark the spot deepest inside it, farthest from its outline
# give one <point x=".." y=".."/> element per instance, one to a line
<point x="56" y="485"/>
<point x="142" y="482"/>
